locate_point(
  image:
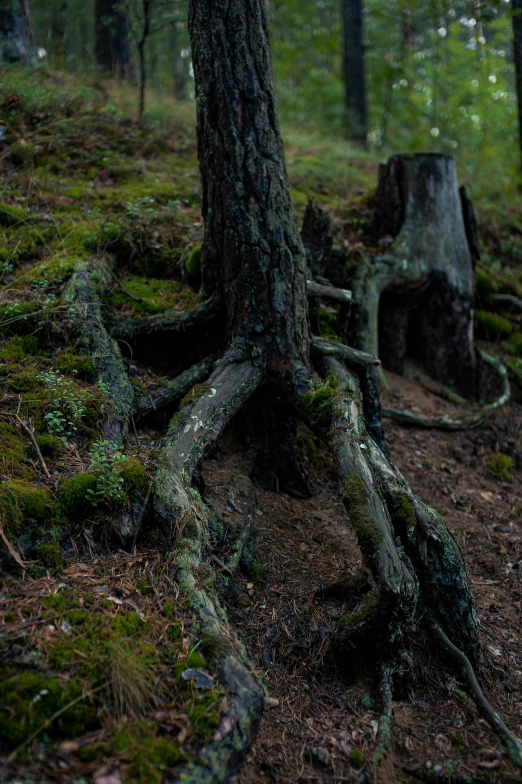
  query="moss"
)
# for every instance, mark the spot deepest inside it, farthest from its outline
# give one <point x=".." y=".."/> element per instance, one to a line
<point x="491" y="326"/>
<point x="72" y="495"/>
<point x="9" y="618"/>
<point x="50" y="446"/>
<point x="50" y="556"/>
<point x="31" y="700"/>
<point x="22" y="503"/>
<point x="500" y="465"/>
<point x="134" y="475"/>
<point x="168" y="609"/>
<point x="151" y="296"/>
<point x="204" y="715"/>
<point x="356" y="759"/>
<point x="193" y="263"/>
<point x="174" y="632"/>
<point x="197" y="391"/>
<point x="513" y="345"/>
<point x="70" y="363"/>
<point x="16" y="317"/>
<point x="30" y="344"/>
<point x="403" y="517"/>
<point x="355" y="496"/>
<point x="318" y="404"/>
<point x="11" y="447"/>
<point x="11" y="215"/>
<point x="56" y="601"/>
<point x="25" y="381"/>
<point x="196" y="661"/>
<point x="485" y="283"/>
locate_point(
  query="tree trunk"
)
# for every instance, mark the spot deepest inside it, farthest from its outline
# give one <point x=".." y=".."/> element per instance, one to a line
<point x="111" y="39"/>
<point x="418" y="298"/>
<point x="252" y="253"/>
<point x="16" y="34"/>
<point x="517" y="57"/>
<point x="354" y="76"/>
<point x="57" y="34"/>
<point x="146" y="8"/>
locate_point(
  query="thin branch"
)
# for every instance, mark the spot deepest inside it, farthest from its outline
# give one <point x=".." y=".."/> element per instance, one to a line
<point x="31" y="435"/>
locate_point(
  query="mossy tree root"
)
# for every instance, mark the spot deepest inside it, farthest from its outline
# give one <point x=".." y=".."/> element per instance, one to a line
<point x="386" y="614"/>
<point x="464" y="423"/>
<point x="175" y="390"/>
<point x="180" y="509"/>
<point x="130" y="327"/>
<point x="84" y="304"/>
<point x="384" y="732"/>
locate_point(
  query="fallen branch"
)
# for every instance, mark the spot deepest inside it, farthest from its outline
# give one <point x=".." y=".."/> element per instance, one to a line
<point x="505" y="300"/>
<point x="11" y="549"/>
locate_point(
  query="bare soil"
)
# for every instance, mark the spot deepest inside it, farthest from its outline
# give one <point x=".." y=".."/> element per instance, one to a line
<point x="322" y="708"/>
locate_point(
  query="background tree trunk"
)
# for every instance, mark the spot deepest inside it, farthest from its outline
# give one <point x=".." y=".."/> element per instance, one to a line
<point x="16" y="33"/>
<point x="111" y="38"/>
<point x="354" y="76"/>
<point x="517" y="57"/>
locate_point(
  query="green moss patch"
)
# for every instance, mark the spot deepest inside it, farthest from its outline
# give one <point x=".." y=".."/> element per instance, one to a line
<point x="73" y="494"/>
<point x="491" y="326"/>
<point x="20" y="502"/>
<point x="501" y="466"/>
<point x="355" y="496"/>
<point x="150" y="296"/>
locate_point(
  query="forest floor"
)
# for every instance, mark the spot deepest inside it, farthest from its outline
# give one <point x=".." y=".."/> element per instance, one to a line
<point x="104" y="677"/>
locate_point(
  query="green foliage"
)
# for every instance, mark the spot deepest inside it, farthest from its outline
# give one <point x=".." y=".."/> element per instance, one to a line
<point x="492" y="326"/>
<point x="106" y="464"/>
<point x="356" y="759"/>
<point x="501" y="465"/>
<point x="67" y="405"/>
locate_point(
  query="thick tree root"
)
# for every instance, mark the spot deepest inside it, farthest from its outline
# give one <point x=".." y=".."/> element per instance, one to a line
<point x="181" y="510"/>
<point x="314" y="289"/>
<point x="511" y="742"/>
<point x="173" y="320"/>
<point x="351" y="355"/>
<point x="175" y="389"/>
<point x="387" y="612"/>
<point x="84" y="304"/>
<point x="449" y="423"/>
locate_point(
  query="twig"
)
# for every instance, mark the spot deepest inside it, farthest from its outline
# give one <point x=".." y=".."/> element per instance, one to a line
<point x="512" y="743"/>
<point x="314" y="289"/>
<point x="122" y="287"/>
<point x="11" y="549"/>
<point x="31" y="435"/>
<point x="351" y="355"/>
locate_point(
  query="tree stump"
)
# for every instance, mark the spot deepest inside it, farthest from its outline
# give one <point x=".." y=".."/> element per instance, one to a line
<point x="418" y="296"/>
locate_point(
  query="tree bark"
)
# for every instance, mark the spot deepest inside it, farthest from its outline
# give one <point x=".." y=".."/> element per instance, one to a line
<point x="252" y="252"/>
<point x="16" y="33"/>
<point x="354" y="73"/>
<point x="418" y="298"/>
<point x="111" y="38"/>
<point x="517" y="57"/>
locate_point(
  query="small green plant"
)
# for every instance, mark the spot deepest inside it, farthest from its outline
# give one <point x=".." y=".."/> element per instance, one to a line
<point x="106" y="462"/>
<point x="66" y="406"/>
<point x="500" y="465"/>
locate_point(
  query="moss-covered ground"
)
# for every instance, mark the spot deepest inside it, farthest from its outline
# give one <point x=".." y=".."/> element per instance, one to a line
<point x="92" y="644"/>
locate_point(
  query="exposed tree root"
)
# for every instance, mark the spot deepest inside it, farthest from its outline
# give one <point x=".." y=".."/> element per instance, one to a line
<point x="352" y="355"/>
<point x="507" y="301"/>
<point x="175" y="390"/>
<point x="387" y="612"/>
<point x="181" y="509"/>
<point x="449" y="423"/>
<point x="82" y="298"/>
<point x="173" y="320"/>
<point x="511" y="742"/>
<point x="315" y="289"/>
